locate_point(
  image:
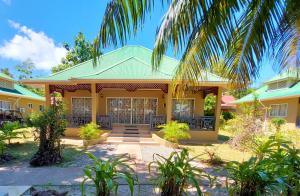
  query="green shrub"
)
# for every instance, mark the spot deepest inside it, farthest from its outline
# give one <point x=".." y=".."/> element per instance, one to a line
<point x="176" y="173"/>
<point x="227" y="115"/>
<point x="10" y="130"/>
<point x="90" y="131"/>
<point x="106" y="174"/>
<point x="275" y="169"/>
<point x="174" y="131"/>
<point x="278" y="123"/>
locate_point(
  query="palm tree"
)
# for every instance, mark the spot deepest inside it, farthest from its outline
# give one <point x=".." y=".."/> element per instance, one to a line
<point x="240" y="32"/>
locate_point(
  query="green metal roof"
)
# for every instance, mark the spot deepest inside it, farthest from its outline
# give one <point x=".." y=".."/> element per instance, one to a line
<point x="20" y="91"/>
<point x="264" y="94"/>
<point x="128" y="62"/>
<point x="4" y="76"/>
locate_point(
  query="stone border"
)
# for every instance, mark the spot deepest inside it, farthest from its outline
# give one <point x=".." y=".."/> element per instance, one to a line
<point x="157" y="138"/>
<point x="100" y="140"/>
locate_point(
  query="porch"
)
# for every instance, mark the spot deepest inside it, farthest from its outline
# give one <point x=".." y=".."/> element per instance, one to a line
<point x="114" y="106"/>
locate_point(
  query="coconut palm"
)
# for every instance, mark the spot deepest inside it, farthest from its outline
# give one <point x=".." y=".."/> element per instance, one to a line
<point x="204" y="31"/>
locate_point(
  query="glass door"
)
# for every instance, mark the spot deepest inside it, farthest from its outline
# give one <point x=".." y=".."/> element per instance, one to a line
<point x="131" y="110"/>
<point x="119" y="109"/>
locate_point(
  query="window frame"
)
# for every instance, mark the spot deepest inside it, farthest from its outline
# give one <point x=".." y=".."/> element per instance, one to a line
<point x="30" y="105"/>
<point x="279" y="116"/>
<point x="9" y="103"/>
<point x="194" y="105"/>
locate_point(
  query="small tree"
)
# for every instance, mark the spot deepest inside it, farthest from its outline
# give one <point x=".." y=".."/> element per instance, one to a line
<point x="174" y="131"/>
<point x="51" y="125"/>
<point x="278" y="123"/>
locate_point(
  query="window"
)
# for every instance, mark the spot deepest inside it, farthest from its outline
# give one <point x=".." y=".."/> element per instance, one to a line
<point x="279" y="110"/>
<point x="22" y="110"/>
<point x="183" y="108"/>
<point x="41" y="108"/>
<point x="5" y="105"/>
<point x="30" y="105"/>
<point x="82" y="106"/>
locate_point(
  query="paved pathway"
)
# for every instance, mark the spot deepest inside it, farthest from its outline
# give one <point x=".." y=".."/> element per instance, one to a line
<point x="71" y="174"/>
<point x="23" y="174"/>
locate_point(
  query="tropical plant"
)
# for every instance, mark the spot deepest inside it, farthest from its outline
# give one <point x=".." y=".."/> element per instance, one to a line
<point x="2" y="143"/>
<point x="50" y="124"/>
<point x="174" y="131"/>
<point x="241" y="32"/>
<point x="209" y="105"/>
<point x="274" y="169"/>
<point x="176" y="173"/>
<point x="278" y="123"/>
<point x="11" y="130"/>
<point x="106" y="174"/>
<point x="90" y="131"/>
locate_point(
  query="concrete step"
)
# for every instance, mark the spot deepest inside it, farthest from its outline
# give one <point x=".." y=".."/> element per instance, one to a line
<point x="133" y="142"/>
<point x="149" y="139"/>
<point x="130" y="135"/>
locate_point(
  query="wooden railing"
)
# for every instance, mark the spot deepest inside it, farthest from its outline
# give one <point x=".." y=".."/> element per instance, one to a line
<point x="78" y="121"/>
<point x="105" y="121"/>
<point x="195" y="123"/>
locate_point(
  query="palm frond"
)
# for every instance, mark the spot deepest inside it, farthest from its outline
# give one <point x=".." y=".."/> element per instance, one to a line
<point x="246" y="49"/>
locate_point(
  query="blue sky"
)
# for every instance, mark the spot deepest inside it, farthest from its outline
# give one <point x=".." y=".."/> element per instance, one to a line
<point x="36" y="29"/>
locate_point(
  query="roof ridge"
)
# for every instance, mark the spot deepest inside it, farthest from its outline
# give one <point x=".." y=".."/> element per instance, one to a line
<point x="151" y="66"/>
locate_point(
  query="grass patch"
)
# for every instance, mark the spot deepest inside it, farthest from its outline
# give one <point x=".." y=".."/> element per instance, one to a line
<point x="23" y="150"/>
<point x="222" y="149"/>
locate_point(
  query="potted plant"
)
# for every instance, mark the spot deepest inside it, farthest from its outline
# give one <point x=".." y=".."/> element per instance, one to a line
<point x="90" y="134"/>
<point x="174" y="131"/>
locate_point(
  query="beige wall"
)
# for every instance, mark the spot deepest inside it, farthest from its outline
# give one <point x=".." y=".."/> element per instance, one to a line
<point x="18" y="102"/>
<point x="293" y="109"/>
<point x="103" y="95"/>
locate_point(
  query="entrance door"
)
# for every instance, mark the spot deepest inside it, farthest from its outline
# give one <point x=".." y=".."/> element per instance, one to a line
<point x="131" y="110"/>
<point x="119" y="109"/>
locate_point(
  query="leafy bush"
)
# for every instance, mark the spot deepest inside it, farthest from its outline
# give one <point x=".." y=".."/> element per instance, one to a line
<point x="278" y="122"/>
<point x="10" y="130"/>
<point x="275" y="169"/>
<point x="174" y="131"/>
<point x="176" y="173"/>
<point x="90" y="131"/>
<point x="209" y="105"/>
<point x="50" y="124"/>
<point x="227" y="115"/>
<point x="105" y="174"/>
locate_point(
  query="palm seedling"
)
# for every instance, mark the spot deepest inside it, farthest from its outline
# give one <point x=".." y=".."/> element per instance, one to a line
<point x="105" y="174"/>
<point x="176" y="173"/>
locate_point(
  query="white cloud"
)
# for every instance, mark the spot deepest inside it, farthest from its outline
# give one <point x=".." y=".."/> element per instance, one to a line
<point x="36" y="46"/>
<point x="7" y="2"/>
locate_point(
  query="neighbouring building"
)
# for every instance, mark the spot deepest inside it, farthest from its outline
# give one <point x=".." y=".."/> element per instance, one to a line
<point x="15" y="97"/>
<point x="280" y="96"/>
<point x="123" y="90"/>
<point x="227" y="103"/>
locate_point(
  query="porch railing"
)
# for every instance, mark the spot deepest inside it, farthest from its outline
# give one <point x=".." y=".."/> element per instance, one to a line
<point x="105" y="121"/>
<point x="78" y="121"/>
<point x="195" y="123"/>
<point x="156" y="120"/>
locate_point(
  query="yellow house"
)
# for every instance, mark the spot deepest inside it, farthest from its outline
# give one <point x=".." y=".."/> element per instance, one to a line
<point x="280" y="96"/>
<point x="15" y="97"/>
<point x="123" y="90"/>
